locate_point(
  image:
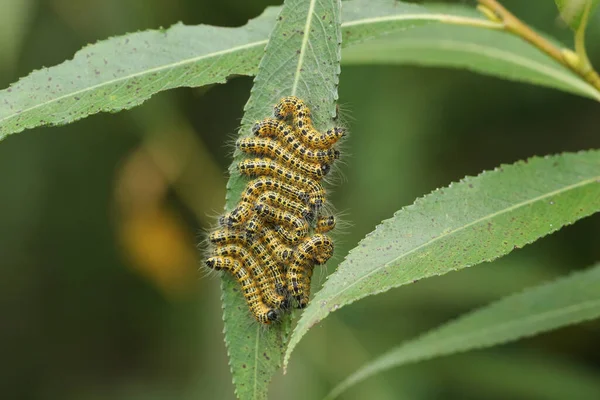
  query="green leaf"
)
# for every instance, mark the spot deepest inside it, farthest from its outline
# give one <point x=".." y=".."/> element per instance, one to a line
<point x="566" y="301"/>
<point x="479" y="50"/>
<point x="571" y="11"/>
<point x="478" y="219"/>
<point x="302" y="58"/>
<point x="122" y="72"/>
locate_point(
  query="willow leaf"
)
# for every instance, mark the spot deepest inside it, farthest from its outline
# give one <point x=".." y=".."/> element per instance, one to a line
<point x="571" y="11"/>
<point x="122" y="72"/>
<point x="302" y="58"/>
<point x="478" y="219"/>
<point x="463" y="40"/>
<point x="486" y="52"/>
<point x="566" y="301"/>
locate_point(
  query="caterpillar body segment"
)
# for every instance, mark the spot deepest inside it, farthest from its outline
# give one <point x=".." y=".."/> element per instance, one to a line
<point x="279" y="130"/>
<point x="316" y="249"/>
<point x="289" y="106"/>
<point x="278" y="200"/>
<point x="295" y="108"/>
<point x="275" y="270"/>
<point x="276" y="246"/>
<point x="273" y="128"/>
<point x="258" y="186"/>
<point x="316" y="156"/>
<point x="333" y="135"/>
<point x="299" y="281"/>
<point x="255" y="224"/>
<point x="274" y="150"/>
<point x="319" y="140"/>
<point x="324" y="224"/>
<point x="228" y="236"/>
<point x="261" y="312"/>
<point x="290" y="226"/>
<point x="303" y="298"/>
<point x="240" y="214"/>
<point x="259" y="274"/>
<point x="275" y="295"/>
<point x="268" y="167"/>
<point x="290" y="237"/>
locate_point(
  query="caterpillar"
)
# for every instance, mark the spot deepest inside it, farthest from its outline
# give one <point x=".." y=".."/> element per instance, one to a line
<point x="300" y="273"/>
<point x="278" y="200"/>
<point x="228" y="236"/>
<point x="244" y="211"/>
<point x="273" y="149"/>
<point x="314" y="250"/>
<point x="259" y="274"/>
<point x="240" y="214"/>
<point x="303" y="297"/>
<point x="265" y="241"/>
<point x="281" y="131"/>
<point x="276" y="271"/>
<point x="256" y="224"/>
<point x="266" y="183"/>
<point x="261" y="312"/>
<point x="324" y="224"/>
<point x="281" y="252"/>
<point x="298" y="226"/>
<point x="295" y="108"/>
<point x="268" y="167"/>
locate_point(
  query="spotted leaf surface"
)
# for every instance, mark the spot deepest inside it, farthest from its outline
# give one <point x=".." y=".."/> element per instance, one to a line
<point x="475" y="220"/>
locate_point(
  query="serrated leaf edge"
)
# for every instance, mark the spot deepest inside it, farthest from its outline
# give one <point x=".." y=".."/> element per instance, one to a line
<point x="416" y="203"/>
<point x="371" y="368"/>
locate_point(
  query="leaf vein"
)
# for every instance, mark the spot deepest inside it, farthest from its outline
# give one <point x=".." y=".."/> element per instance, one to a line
<point x="475" y="222"/>
<point x="306" y="35"/>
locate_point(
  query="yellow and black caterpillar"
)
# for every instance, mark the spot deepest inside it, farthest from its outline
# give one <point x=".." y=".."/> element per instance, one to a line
<point x="273" y="238"/>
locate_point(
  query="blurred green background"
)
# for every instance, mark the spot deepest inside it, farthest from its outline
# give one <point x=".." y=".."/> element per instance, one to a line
<point x="101" y="294"/>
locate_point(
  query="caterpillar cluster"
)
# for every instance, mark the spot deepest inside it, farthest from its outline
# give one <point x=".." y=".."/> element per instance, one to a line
<point x="271" y="241"/>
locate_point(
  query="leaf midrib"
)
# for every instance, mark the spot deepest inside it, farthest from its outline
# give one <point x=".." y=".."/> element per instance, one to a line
<point x="255" y="391"/>
<point x="145" y="72"/>
<point x="461" y="228"/>
<point x="311" y="10"/>
<point x="297" y="74"/>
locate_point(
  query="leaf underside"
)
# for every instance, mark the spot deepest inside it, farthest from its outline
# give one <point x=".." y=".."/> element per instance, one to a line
<point x="487" y="52"/>
<point x="566" y="301"/>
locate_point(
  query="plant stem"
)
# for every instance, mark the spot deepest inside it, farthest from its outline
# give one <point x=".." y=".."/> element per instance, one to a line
<point x="513" y="25"/>
<point x="586" y="66"/>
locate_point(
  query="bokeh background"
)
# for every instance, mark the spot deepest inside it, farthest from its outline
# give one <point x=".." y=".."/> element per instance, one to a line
<point x="101" y="294"/>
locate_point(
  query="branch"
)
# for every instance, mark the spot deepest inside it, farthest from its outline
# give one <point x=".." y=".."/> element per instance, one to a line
<point x="575" y="61"/>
